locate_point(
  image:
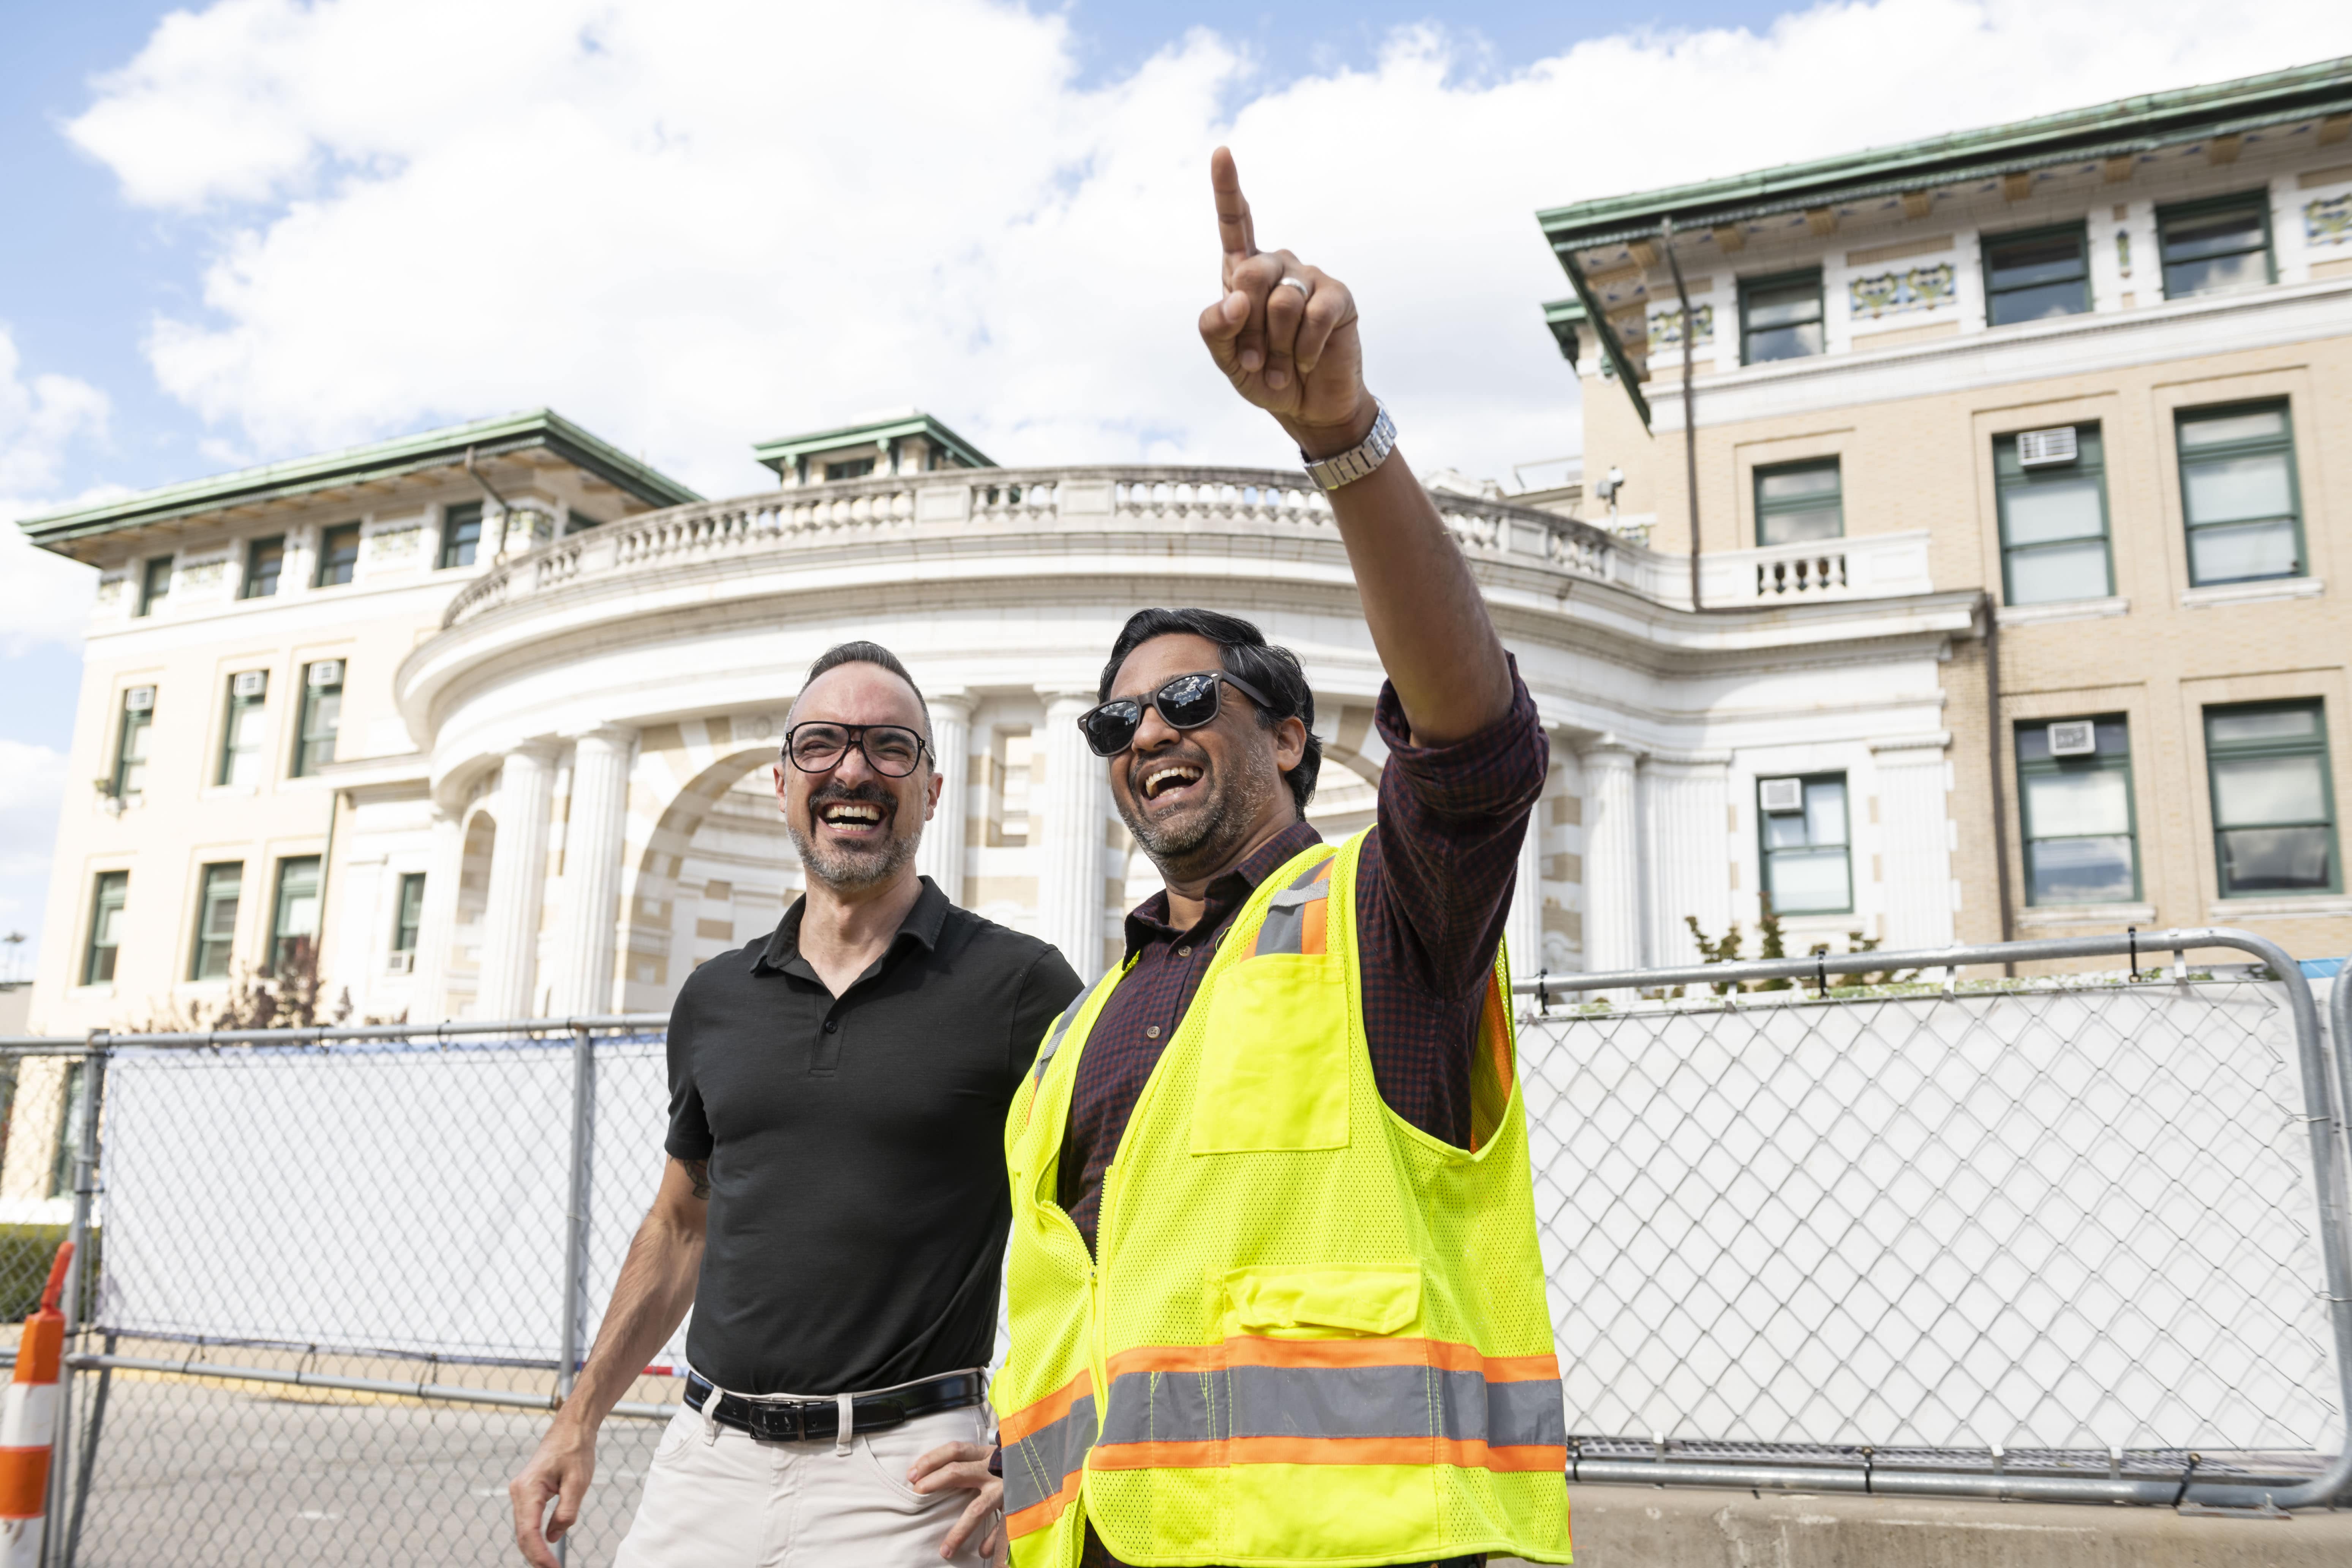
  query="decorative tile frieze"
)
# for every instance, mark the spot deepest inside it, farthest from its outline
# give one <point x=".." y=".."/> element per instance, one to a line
<point x="395" y="541"/>
<point x="201" y="575"/>
<point x="2329" y="221"/>
<point x="1899" y="293"/>
<point x="110" y="589"/>
<point x="1666" y="328"/>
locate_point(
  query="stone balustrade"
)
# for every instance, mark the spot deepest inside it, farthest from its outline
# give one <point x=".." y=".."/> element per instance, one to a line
<point x="1872" y="566"/>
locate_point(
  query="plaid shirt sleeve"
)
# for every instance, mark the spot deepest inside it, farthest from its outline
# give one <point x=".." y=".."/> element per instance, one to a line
<point x="1452" y="820"/>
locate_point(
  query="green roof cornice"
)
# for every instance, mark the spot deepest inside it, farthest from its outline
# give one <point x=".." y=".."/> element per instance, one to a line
<point x="541" y="428"/>
<point x="2108" y="130"/>
<point x="786" y="451"/>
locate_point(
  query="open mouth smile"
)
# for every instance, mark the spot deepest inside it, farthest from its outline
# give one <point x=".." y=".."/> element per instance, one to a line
<point x="851" y="818"/>
<point x="1165" y="781"/>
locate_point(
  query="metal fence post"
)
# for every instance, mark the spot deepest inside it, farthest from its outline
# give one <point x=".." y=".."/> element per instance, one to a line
<point x="85" y="1135"/>
<point x="576" y="1219"/>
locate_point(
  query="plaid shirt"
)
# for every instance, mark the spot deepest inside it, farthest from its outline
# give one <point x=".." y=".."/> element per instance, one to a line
<point x="1433" y="890"/>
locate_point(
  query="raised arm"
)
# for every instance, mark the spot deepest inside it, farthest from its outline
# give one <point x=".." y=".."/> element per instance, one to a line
<point x="649" y="1301"/>
<point x="1285" y="334"/>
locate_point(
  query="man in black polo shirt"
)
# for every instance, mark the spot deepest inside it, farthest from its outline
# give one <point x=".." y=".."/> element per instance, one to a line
<point x="833" y="1205"/>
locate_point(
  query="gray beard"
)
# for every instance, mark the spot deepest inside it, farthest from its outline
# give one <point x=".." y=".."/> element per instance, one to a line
<point x="853" y="871"/>
<point x="1211" y="835"/>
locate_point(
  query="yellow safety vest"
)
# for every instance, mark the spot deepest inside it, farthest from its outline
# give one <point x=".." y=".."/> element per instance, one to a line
<point x="1321" y="1330"/>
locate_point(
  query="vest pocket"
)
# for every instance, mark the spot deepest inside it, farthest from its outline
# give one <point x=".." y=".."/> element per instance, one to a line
<point x="1273" y="1064"/>
<point x="1321" y="1303"/>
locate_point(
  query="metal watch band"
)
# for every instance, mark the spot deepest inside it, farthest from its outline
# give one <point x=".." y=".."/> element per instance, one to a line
<point x="1358" y="460"/>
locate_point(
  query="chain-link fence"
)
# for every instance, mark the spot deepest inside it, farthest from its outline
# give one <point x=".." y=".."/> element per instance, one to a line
<point x="2065" y="1239"/>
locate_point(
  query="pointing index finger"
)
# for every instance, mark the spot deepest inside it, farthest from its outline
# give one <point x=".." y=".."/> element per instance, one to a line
<point x="1234" y="230"/>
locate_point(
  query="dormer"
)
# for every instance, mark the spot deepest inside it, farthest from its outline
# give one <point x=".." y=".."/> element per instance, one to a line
<point x="906" y="441"/>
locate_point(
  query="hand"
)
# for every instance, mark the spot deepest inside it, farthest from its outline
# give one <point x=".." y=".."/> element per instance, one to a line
<point x="1293" y="353"/>
<point x="965" y="1465"/>
<point x="560" y="1469"/>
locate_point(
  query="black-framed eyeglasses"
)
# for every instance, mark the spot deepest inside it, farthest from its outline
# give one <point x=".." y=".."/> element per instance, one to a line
<point x="891" y="749"/>
<point x="1186" y="702"/>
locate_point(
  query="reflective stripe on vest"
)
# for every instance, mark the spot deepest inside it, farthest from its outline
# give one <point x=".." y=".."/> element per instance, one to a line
<point x="1331" y="1402"/>
<point x="1296" y="919"/>
<point x="1045" y="1455"/>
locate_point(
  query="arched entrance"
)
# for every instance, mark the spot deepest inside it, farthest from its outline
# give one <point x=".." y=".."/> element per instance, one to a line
<point x="716" y="872"/>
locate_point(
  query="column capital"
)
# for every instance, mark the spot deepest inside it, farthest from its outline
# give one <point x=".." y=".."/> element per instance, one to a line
<point x="1611" y="747"/>
<point x="954" y="700"/>
<point x="539" y="749"/>
<point x="609" y="734"/>
<point x="1068" y="701"/>
<point x="1922" y="749"/>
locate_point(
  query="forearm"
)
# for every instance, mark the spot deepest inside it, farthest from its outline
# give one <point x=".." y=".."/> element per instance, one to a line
<point x="649" y="1301"/>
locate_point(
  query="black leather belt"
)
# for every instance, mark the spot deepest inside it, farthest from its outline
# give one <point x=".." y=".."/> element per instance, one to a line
<point x="819" y="1420"/>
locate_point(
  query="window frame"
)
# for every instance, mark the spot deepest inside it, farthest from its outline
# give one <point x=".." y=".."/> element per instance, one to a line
<point x="206" y="899"/>
<point x="277" y="936"/>
<point x="1764" y="850"/>
<point x="2285" y="445"/>
<point x="72" y="1107"/>
<point x="225" y="765"/>
<point x="1749" y="287"/>
<point x="406" y="930"/>
<point x="2318" y="745"/>
<point x="2081" y="232"/>
<point x="2258" y="198"/>
<point x="149" y="596"/>
<point x="1782" y="509"/>
<point x="303" y="765"/>
<point x="133" y="721"/>
<point x="110" y="890"/>
<point x="871" y="465"/>
<point x="2002" y="488"/>
<point x="444" y="555"/>
<point x="249" y="586"/>
<point x="2052" y="767"/>
<point x="328" y="536"/>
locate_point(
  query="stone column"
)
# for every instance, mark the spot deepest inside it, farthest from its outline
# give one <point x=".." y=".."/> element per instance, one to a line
<point x="591" y="872"/>
<point x="1690" y="860"/>
<point x="1067" y="834"/>
<point x="517" y="882"/>
<point x="1523" y="928"/>
<point x="438" y="923"/>
<point x="940" y="855"/>
<point x="1612" y="885"/>
<point x="1916" y="838"/>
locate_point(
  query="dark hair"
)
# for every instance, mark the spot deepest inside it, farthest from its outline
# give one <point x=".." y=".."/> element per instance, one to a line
<point x="1243" y="649"/>
<point x="875" y="653"/>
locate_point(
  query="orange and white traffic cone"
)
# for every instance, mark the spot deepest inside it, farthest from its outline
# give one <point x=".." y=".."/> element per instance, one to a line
<point x="29" y="1424"/>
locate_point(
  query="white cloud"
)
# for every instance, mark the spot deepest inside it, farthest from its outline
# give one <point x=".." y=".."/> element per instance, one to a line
<point x="43" y="599"/>
<point x="695" y="225"/>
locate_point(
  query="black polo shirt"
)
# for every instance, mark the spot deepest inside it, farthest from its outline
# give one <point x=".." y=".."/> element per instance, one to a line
<point x="858" y="1208"/>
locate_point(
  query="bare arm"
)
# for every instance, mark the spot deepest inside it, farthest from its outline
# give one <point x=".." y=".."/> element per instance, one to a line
<point x="649" y="1301"/>
<point x="1297" y="353"/>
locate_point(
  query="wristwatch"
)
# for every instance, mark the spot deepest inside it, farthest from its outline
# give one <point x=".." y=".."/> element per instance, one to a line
<point x="1358" y="459"/>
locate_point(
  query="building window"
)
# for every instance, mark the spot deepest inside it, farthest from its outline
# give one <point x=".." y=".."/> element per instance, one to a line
<point x="578" y="522"/>
<point x="2238" y="491"/>
<point x="323" y="715"/>
<point x="2034" y="276"/>
<point x="2216" y="247"/>
<point x="854" y="468"/>
<point x="461" y="534"/>
<point x="2073" y="791"/>
<point x="295" y="921"/>
<point x="339" y="554"/>
<point x="155" y="584"/>
<point x="76" y="1106"/>
<point x="408" y="917"/>
<point x="264" y="561"/>
<point x="2274" y="800"/>
<point x="1803" y="822"/>
<point x="215" y="920"/>
<point x="1799" y="500"/>
<point x="106" y="903"/>
<point x="1779" y="318"/>
<point x="131" y="741"/>
<point x="2053" y="522"/>
<point x="241" y="735"/>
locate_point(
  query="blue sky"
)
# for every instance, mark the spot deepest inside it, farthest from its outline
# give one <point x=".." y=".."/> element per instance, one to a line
<point x="266" y="228"/>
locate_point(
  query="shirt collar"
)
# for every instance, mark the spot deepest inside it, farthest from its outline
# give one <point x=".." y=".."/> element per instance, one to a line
<point x="923" y="923"/>
<point x="1148" y="922"/>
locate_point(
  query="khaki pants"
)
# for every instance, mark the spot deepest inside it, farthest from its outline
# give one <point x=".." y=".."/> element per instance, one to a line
<point x="733" y="1501"/>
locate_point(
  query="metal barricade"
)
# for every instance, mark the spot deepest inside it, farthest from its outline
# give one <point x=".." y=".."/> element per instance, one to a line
<point x="2072" y="1238"/>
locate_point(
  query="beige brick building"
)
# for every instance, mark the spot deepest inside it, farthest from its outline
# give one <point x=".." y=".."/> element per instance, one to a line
<point x="2101" y="363"/>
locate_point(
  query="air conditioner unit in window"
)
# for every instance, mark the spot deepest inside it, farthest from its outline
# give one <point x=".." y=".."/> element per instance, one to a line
<point x="2044" y="448"/>
<point x="139" y="699"/>
<point x="402" y="964"/>
<point x="248" y="683"/>
<point x="327" y="672"/>
<point x="2075" y="738"/>
<point x="1780" y="796"/>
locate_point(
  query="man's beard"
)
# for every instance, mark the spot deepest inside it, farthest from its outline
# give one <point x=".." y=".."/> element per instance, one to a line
<point x="1203" y="838"/>
<point x="847" y="869"/>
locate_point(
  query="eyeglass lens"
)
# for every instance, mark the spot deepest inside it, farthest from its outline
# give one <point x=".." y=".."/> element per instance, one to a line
<point x="891" y="751"/>
<point x="1187" y="702"/>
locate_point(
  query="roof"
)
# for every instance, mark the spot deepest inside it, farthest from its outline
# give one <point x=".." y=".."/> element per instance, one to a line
<point x="785" y="451"/>
<point x="2126" y="129"/>
<point x="541" y="428"/>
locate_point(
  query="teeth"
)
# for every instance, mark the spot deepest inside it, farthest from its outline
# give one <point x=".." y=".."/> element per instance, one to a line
<point x="852" y="813"/>
<point x="1158" y="776"/>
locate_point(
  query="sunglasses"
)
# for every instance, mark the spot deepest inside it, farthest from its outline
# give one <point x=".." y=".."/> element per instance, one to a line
<point x="1186" y="702"/>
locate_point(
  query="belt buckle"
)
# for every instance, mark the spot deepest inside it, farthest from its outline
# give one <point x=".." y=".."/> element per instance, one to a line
<point x="784" y="1423"/>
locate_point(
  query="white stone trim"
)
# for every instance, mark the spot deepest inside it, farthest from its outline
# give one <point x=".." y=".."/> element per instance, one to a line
<point x="2064" y="610"/>
<point x="2253" y="593"/>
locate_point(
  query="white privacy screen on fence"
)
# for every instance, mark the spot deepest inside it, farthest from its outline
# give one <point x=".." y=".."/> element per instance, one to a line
<point x="407" y="1198"/>
<point x="2072" y="1220"/>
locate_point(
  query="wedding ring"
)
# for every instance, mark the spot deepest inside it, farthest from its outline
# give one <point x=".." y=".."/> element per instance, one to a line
<point x="1301" y="284"/>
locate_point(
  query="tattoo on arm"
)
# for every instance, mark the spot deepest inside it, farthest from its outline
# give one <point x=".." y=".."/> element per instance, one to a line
<point x="698" y="1172"/>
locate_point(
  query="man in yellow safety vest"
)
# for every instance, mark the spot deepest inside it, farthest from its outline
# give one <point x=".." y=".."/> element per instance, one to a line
<point x="1275" y="1285"/>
